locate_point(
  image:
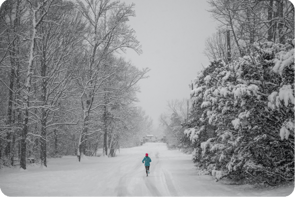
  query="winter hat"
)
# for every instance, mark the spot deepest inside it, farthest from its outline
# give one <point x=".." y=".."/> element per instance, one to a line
<point x="146" y="154"/>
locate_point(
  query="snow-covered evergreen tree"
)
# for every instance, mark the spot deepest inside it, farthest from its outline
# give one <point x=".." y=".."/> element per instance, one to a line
<point x="242" y="121"/>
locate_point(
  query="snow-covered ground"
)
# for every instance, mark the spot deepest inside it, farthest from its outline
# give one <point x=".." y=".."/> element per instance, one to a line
<point x="172" y="174"/>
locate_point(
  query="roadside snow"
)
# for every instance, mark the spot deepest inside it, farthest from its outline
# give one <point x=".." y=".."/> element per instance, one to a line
<point x="172" y="174"/>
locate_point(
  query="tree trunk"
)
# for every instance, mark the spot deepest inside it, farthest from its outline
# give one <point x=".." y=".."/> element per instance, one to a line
<point x="275" y="25"/>
<point x="235" y="37"/>
<point x="79" y="148"/>
<point x="44" y="103"/>
<point x="269" y="18"/>
<point x="80" y="140"/>
<point x="43" y="150"/>
<point x="281" y="24"/>
<point x="10" y="101"/>
<point x="84" y="140"/>
<point x="105" y="127"/>
<point x="14" y="52"/>
<point x="83" y="136"/>
<point x="110" y="145"/>
<point x="23" y="145"/>
<point x="17" y="104"/>
<point x="27" y="91"/>
<point x="55" y="142"/>
<point x="114" y="145"/>
<point x="95" y="148"/>
<point x="250" y="26"/>
<point x="228" y="45"/>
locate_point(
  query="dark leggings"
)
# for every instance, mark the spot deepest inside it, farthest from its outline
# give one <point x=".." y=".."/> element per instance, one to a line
<point x="147" y="168"/>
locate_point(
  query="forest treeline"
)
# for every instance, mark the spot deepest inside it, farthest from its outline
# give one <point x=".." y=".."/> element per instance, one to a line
<point x="66" y="88"/>
<point x="240" y="120"/>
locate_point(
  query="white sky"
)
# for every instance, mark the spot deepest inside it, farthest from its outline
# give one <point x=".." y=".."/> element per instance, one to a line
<point x="172" y="34"/>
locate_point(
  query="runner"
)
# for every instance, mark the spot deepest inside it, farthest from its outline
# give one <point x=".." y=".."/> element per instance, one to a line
<point x="146" y="160"/>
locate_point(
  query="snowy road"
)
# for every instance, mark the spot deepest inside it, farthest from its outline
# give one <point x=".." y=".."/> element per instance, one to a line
<point x="172" y="174"/>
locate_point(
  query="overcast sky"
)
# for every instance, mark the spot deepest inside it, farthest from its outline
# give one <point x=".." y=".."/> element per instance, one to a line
<point x="172" y="34"/>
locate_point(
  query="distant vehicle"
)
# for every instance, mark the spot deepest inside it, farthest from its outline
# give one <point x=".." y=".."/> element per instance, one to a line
<point x="149" y="138"/>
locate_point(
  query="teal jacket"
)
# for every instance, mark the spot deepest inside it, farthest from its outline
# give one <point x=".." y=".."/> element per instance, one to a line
<point x="146" y="161"/>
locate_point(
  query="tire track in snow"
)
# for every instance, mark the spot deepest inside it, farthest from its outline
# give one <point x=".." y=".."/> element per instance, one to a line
<point x="170" y="184"/>
<point x="166" y="178"/>
<point x="109" y="184"/>
<point x="122" y="185"/>
<point x="154" y="191"/>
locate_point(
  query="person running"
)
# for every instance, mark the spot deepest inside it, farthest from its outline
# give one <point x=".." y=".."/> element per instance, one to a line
<point x="146" y="160"/>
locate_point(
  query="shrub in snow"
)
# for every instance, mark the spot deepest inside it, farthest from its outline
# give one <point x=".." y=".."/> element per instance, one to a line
<point x="242" y="90"/>
<point x="225" y="77"/>
<point x="284" y="133"/>
<point x="286" y="128"/>
<point x="236" y="123"/>
<point x="192" y="134"/>
<point x="206" y="104"/>
<point x="224" y="91"/>
<point x="197" y="90"/>
<point x="284" y="60"/>
<point x="217" y="147"/>
<point x="244" y="114"/>
<point x="207" y="79"/>
<point x="286" y="94"/>
<point x="272" y="100"/>
<point x="217" y="174"/>
<point x="207" y="144"/>
<point x="5" y="162"/>
<point x="252" y="116"/>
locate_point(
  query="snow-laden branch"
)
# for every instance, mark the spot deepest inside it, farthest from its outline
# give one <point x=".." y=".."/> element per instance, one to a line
<point x="7" y="86"/>
<point x="65" y="123"/>
<point x="36" y="135"/>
